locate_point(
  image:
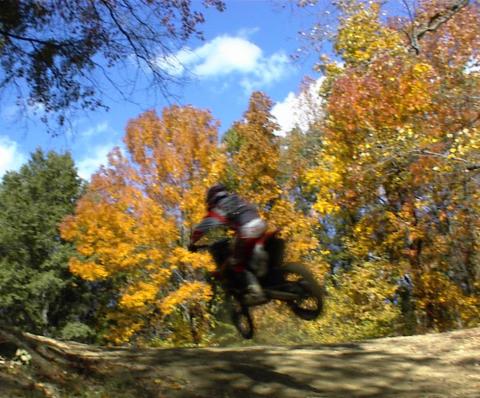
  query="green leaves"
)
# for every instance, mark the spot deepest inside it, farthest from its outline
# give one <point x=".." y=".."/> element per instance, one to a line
<point x="33" y="273"/>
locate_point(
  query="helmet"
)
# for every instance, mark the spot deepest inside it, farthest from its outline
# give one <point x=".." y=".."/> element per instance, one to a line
<point x="215" y="193"/>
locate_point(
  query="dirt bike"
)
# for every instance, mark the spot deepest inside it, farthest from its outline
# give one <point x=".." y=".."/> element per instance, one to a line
<point x="289" y="283"/>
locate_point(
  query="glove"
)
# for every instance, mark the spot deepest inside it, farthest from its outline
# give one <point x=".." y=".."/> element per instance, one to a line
<point x="216" y="275"/>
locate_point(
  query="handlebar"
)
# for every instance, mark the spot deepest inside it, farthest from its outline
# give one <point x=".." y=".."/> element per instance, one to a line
<point x="196" y="248"/>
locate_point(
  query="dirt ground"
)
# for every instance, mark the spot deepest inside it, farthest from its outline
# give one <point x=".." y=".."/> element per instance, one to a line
<point x="428" y="366"/>
<point x="437" y="365"/>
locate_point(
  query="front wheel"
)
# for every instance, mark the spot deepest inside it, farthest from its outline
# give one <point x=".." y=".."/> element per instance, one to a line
<point x="242" y="319"/>
<point x="309" y="304"/>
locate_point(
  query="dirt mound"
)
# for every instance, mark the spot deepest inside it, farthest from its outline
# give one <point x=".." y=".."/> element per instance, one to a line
<point x="434" y="366"/>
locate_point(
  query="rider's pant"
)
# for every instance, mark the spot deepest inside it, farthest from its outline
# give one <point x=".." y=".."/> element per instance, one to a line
<point x="247" y="237"/>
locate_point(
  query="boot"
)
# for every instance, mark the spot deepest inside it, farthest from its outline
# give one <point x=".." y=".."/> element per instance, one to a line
<point x="254" y="293"/>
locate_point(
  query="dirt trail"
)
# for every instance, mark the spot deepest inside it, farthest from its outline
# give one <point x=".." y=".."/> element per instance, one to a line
<point x="429" y="366"/>
<point x="437" y="365"/>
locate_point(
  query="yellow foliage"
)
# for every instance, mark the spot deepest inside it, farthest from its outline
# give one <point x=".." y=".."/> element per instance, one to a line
<point x="88" y="270"/>
<point x="125" y="328"/>
<point x="326" y="179"/>
<point x="296" y="229"/>
<point x="361" y="36"/>
<point x="139" y="211"/>
<point x="189" y="292"/>
<point x="398" y="137"/>
<point x="439" y="295"/>
<point x="138" y="295"/>
<point x="359" y="306"/>
<point x="183" y="258"/>
<point x="256" y="162"/>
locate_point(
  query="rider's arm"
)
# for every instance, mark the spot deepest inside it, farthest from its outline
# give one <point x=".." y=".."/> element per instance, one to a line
<point x="208" y="223"/>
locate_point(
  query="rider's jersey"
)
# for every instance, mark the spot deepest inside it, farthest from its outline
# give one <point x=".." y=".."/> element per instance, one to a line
<point x="231" y="211"/>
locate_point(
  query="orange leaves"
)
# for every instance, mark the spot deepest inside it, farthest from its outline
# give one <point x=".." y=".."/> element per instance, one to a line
<point x="139" y="211"/>
<point x="257" y="159"/>
<point x="388" y="94"/>
<point x="400" y="130"/>
<point x="88" y="270"/>
<point x="453" y="43"/>
<point x="179" y="146"/>
<point x="117" y="233"/>
<point x="179" y="158"/>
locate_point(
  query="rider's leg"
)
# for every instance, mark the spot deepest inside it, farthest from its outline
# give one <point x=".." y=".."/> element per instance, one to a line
<point x="242" y="254"/>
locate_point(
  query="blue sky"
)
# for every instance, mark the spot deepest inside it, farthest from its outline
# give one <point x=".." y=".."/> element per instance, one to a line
<point x="246" y="48"/>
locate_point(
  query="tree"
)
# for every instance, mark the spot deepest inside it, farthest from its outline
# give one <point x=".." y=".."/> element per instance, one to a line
<point x="256" y="174"/>
<point x="50" y="50"/>
<point x="401" y="140"/>
<point x="37" y="292"/>
<point x="254" y="152"/>
<point x="271" y="177"/>
<point x="134" y="223"/>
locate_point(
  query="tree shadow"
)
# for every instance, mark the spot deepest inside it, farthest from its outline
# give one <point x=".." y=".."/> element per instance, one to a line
<point x="336" y="370"/>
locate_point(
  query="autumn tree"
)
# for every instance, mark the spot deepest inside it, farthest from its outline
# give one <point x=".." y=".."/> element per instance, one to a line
<point x="133" y="225"/>
<point x="53" y="53"/>
<point x="255" y="161"/>
<point x="399" y="156"/>
<point x="260" y="170"/>
<point x="254" y="152"/>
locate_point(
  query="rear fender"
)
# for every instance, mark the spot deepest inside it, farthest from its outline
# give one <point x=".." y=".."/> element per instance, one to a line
<point x="275" y="247"/>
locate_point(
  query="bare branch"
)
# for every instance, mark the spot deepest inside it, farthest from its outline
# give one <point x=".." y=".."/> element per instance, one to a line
<point x="55" y="51"/>
<point x="434" y="22"/>
<point x="409" y="10"/>
<point x="28" y="39"/>
<point x="469" y="167"/>
<point x="473" y="167"/>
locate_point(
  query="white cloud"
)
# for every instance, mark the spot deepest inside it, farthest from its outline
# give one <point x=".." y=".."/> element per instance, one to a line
<point x="473" y="65"/>
<point x="299" y="110"/>
<point x="11" y="158"/>
<point x="285" y="112"/>
<point x="95" y="130"/>
<point x="91" y="163"/>
<point x="227" y="55"/>
<point x="247" y="32"/>
<point x="268" y="71"/>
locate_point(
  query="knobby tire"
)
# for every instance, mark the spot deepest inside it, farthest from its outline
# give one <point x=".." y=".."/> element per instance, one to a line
<point x="313" y="291"/>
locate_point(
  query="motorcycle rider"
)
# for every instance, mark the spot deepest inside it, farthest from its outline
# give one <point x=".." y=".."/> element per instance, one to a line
<point x="228" y="209"/>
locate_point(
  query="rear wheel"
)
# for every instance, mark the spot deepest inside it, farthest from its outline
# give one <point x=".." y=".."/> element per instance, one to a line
<point x="309" y="304"/>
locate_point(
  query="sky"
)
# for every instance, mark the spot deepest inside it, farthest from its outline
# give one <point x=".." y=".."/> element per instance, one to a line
<point x="247" y="47"/>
